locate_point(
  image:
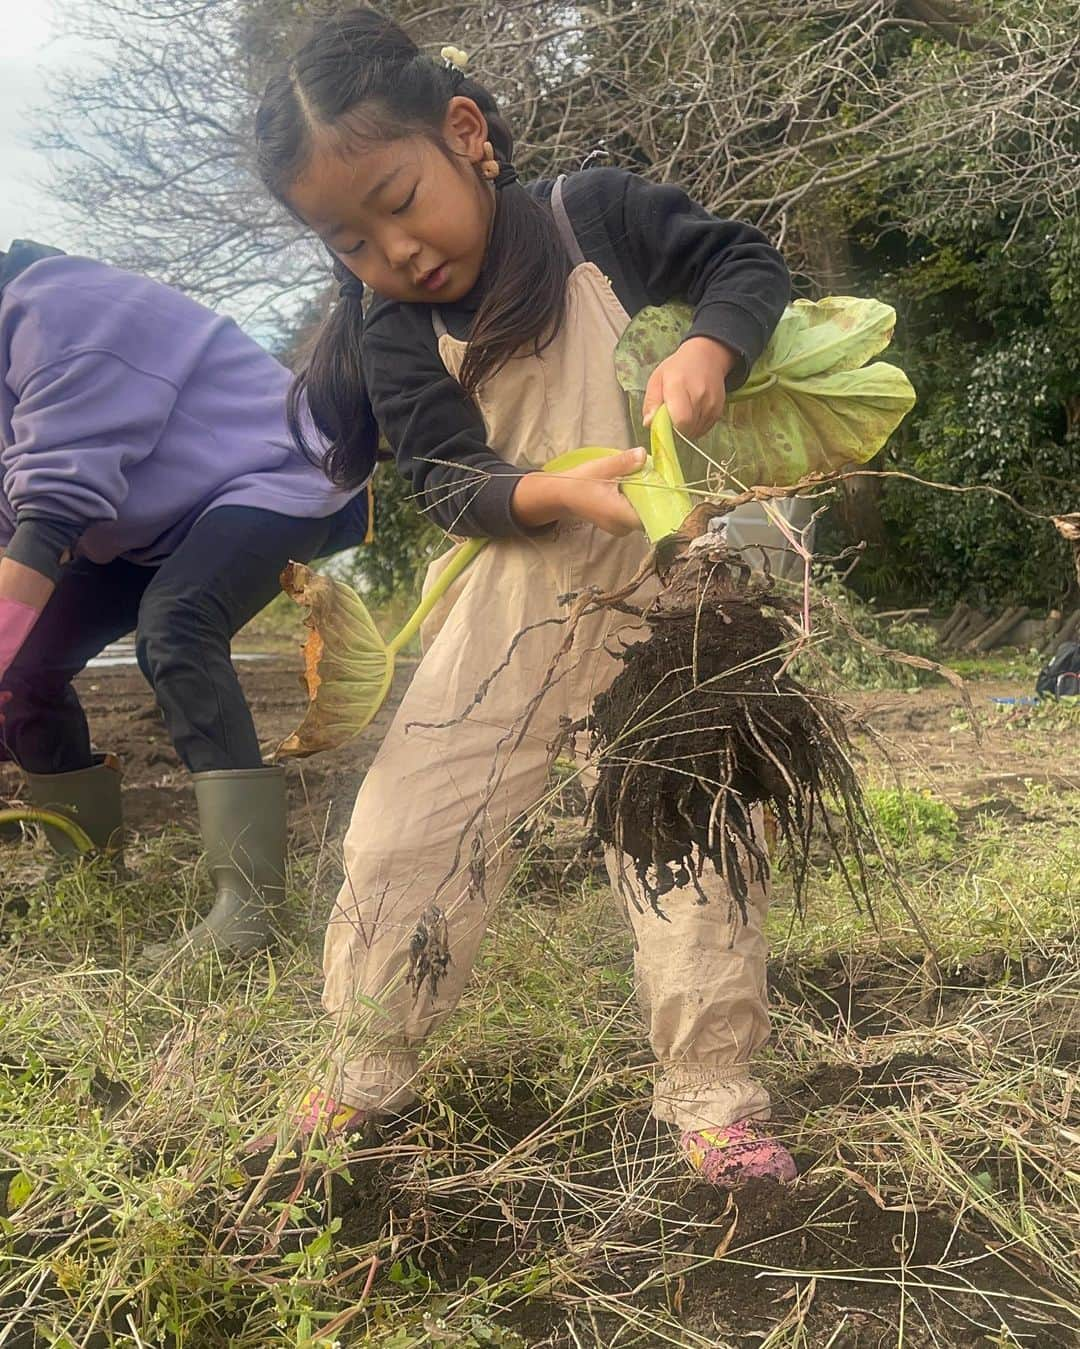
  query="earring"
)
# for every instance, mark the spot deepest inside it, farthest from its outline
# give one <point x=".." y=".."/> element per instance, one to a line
<point x="489" y="165"/>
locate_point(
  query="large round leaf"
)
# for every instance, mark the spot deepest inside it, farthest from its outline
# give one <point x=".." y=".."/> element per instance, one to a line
<point x="809" y="405"/>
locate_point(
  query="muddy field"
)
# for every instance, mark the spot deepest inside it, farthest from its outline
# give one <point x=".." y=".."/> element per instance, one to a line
<point x="124" y="721"/>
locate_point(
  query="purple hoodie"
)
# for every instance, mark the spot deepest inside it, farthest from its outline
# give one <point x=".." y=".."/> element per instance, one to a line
<point x="128" y="411"/>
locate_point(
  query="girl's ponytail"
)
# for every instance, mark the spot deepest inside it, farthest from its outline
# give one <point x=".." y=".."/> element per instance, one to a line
<point x="364" y="77"/>
<point x="330" y="387"/>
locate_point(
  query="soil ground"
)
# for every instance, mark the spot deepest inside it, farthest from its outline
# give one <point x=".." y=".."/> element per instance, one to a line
<point x="925" y="733"/>
<point x="124" y="721"/>
<point x="529" y="1202"/>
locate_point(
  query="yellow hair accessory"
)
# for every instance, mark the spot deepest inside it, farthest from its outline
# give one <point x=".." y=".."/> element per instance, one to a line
<point x="454" y="56"/>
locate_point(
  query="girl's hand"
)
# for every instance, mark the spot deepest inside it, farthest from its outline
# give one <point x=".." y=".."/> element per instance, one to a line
<point x="590" y="493"/>
<point x="691" y="383"/>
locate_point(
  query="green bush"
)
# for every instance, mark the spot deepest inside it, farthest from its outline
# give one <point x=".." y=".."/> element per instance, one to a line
<point x="989" y="332"/>
<point x="849" y="661"/>
<point x="912" y="820"/>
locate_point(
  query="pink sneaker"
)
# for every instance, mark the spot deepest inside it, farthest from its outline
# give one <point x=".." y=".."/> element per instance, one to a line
<point x="318" y="1113"/>
<point x="743" y="1151"/>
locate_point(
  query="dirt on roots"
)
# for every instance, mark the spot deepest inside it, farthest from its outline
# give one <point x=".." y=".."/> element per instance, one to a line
<point x="702" y="726"/>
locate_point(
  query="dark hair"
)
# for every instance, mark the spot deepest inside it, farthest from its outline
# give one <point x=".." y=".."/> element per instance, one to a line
<point x="363" y="74"/>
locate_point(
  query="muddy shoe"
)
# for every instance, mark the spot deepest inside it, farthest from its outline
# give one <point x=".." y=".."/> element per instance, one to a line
<point x="318" y="1114"/>
<point x="743" y="1151"/>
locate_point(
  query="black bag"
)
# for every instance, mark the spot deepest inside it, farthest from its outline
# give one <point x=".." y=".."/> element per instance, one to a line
<point x="1061" y="677"/>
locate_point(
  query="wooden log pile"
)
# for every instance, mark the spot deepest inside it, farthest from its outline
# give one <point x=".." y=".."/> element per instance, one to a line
<point x="1060" y="628"/>
<point x="978" y="630"/>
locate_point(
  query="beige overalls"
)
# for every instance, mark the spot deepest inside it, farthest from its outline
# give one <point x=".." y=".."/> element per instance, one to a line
<point x="428" y="849"/>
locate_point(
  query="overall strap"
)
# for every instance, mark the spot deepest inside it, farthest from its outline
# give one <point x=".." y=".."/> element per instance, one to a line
<point x="566" y="233"/>
<point x="562" y="221"/>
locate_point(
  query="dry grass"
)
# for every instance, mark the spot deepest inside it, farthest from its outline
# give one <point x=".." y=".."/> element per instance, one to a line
<point x="531" y="1200"/>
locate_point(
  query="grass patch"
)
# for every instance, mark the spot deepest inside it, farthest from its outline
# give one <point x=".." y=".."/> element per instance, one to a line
<point x="531" y="1200"/>
<point x="1005" y="663"/>
<point x="913" y="820"/>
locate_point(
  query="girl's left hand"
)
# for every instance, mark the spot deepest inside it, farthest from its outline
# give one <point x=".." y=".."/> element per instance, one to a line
<point x="691" y="383"/>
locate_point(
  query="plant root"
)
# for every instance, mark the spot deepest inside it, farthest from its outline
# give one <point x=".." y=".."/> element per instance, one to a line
<point x="703" y="726"/>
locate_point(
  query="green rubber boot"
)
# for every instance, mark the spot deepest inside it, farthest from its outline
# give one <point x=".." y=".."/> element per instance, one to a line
<point x="242" y="822"/>
<point x="91" y="798"/>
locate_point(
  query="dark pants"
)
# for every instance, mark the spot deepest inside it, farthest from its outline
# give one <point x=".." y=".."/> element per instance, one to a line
<point x="184" y="614"/>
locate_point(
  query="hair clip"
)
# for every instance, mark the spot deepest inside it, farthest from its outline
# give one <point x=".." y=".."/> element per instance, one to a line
<point x="352" y="289"/>
<point x="455" y="58"/>
<point x="456" y="61"/>
<point x="507" y="174"/>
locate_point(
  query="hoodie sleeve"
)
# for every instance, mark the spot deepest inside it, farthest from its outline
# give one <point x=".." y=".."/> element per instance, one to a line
<point x="78" y="426"/>
<point x="736" y="281"/>
<point x="657" y="244"/>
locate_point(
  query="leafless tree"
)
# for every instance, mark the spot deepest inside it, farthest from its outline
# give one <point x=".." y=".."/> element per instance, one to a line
<point x="796" y="114"/>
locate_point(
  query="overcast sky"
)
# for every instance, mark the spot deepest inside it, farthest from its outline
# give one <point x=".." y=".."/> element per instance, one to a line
<point x="29" y="47"/>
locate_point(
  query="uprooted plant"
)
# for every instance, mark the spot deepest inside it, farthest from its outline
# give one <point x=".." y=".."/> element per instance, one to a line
<point x="705" y="723"/>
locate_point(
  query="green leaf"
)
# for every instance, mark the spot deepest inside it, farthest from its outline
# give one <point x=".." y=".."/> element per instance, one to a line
<point x="811" y="404"/>
<point x="320" y="1246"/>
<point x="821" y="337"/>
<point x="20" y="1188"/>
<point x="651" y="337"/>
<point x="348" y="667"/>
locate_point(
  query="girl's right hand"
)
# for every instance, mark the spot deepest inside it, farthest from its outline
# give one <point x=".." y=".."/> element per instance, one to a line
<point x="590" y="492"/>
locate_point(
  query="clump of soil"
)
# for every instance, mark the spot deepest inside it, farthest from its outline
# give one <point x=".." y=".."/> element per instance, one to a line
<point x="703" y="725"/>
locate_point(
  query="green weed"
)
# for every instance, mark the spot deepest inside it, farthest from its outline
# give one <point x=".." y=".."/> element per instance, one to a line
<point x="855" y="664"/>
<point x="914" y="820"/>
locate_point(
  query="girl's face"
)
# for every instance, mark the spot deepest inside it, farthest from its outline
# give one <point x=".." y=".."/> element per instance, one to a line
<point x="411" y="221"/>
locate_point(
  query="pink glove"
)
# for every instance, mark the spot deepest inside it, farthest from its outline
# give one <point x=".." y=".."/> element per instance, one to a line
<point x="16" y="620"/>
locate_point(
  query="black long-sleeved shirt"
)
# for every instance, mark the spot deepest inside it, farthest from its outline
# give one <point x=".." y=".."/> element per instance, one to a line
<point x="654" y="244"/>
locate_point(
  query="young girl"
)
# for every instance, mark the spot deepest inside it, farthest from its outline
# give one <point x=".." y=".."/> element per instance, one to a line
<point x="487" y="351"/>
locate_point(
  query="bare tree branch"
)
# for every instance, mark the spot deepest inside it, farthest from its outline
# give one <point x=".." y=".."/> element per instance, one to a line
<point x="935" y="112"/>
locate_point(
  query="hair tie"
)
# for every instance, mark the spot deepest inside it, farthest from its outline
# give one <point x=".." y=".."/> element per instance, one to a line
<point x="456" y="61"/>
<point x="507" y="174"/>
<point x="352" y="289"/>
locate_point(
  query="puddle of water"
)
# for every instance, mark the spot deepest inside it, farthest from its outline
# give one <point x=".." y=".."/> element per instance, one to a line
<point x="123" y="653"/>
